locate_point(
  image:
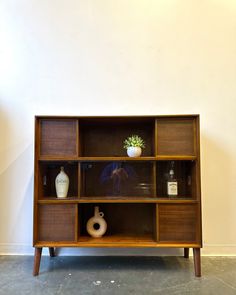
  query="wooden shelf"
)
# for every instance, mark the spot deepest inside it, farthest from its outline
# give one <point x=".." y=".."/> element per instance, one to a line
<point x="116" y="200"/>
<point x="113" y="159"/>
<point x="57" y="159"/>
<point x="73" y="200"/>
<point x="84" y="200"/>
<point x="175" y="158"/>
<point x="95" y="159"/>
<point x="177" y="200"/>
<point x="125" y="242"/>
<point x="116" y="240"/>
<point x="134" y="200"/>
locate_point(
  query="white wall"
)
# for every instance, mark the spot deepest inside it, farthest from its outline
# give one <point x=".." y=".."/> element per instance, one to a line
<point x="118" y="57"/>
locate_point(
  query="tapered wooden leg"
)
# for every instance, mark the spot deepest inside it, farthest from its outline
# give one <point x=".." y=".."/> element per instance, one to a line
<point x="51" y="251"/>
<point x="37" y="259"/>
<point x="186" y="252"/>
<point x="197" y="261"/>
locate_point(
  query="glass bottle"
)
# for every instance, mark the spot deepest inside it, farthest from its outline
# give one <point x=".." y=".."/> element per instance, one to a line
<point x="172" y="184"/>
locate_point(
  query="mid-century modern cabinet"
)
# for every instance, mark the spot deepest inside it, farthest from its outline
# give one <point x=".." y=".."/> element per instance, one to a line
<point x="138" y="211"/>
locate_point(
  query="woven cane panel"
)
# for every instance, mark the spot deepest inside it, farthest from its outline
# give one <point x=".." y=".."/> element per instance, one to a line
<point x="58" y="138"/>
<point x="57" y="222"/>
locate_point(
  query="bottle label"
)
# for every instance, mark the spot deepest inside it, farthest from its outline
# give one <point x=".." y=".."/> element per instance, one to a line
<point x="172" y="188"/>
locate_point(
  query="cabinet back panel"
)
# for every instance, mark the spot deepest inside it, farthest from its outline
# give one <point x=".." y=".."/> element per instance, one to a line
<point x="177" y="222"/>
<point x="58" y="137"/>
<point x="57" y="222"/>
<point x="175" y="137"/>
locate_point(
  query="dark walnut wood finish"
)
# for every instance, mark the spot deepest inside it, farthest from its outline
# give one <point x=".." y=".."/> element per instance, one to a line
<point x="138" y="212"/>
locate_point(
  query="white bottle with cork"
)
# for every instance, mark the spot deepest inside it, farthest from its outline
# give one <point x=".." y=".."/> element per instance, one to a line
<point x="62" y="184"/>
<point x="172" y="184"/>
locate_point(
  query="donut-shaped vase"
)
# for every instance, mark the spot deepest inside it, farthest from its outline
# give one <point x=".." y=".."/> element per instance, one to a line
<point x="100" y="231"/>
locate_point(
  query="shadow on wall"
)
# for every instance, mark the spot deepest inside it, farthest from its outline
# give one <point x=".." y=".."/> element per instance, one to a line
<point x="16" y="201"/>
<point x="16" y="186"/>
<point x="5" y="131"/>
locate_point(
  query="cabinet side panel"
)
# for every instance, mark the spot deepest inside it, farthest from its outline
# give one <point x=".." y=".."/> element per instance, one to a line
<point x="57" y="222"/>
<point x="198" y="177"/>
<point x="178" y="222"/>
<point x="175" y="137"/>
<point x="58" y="137"/>
<point x="36" y="178"/>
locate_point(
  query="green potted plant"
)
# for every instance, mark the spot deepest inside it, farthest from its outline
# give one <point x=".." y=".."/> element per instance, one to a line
<point x="134" y="145"/>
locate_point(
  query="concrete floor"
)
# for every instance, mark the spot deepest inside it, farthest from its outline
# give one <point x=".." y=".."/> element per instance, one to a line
<point x="117" y="275"/>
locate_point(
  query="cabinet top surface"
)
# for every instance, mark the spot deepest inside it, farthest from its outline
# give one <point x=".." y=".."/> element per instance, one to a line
<point x="118" y="116"/>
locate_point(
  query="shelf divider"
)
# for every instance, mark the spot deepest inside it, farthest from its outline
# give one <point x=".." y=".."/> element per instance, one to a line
<point x="157" y="223"/>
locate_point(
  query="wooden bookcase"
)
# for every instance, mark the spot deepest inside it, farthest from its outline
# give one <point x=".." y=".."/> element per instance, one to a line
<point x="139" y="212"/>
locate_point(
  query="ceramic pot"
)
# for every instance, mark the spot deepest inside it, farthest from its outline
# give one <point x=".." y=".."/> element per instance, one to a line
<point x="134" y="151"/>
<point x="98" y="221"/>
<point x="62" y="184"/>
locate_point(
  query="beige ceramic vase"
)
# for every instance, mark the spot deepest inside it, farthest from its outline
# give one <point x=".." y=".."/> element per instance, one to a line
<point x="96" y="225"/>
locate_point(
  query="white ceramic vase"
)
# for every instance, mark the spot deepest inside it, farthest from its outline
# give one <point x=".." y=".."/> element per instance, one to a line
<point x="62" y="184"/>
<point x="134" y="151"/>
<point x="98" y="220"/>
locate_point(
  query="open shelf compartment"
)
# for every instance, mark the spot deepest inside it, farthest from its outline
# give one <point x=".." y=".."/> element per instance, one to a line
<point x="48" y="172"/>
<point x="126" y="223"/>
<point x="185" y="174"/>
<point x="105" y="136"/>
